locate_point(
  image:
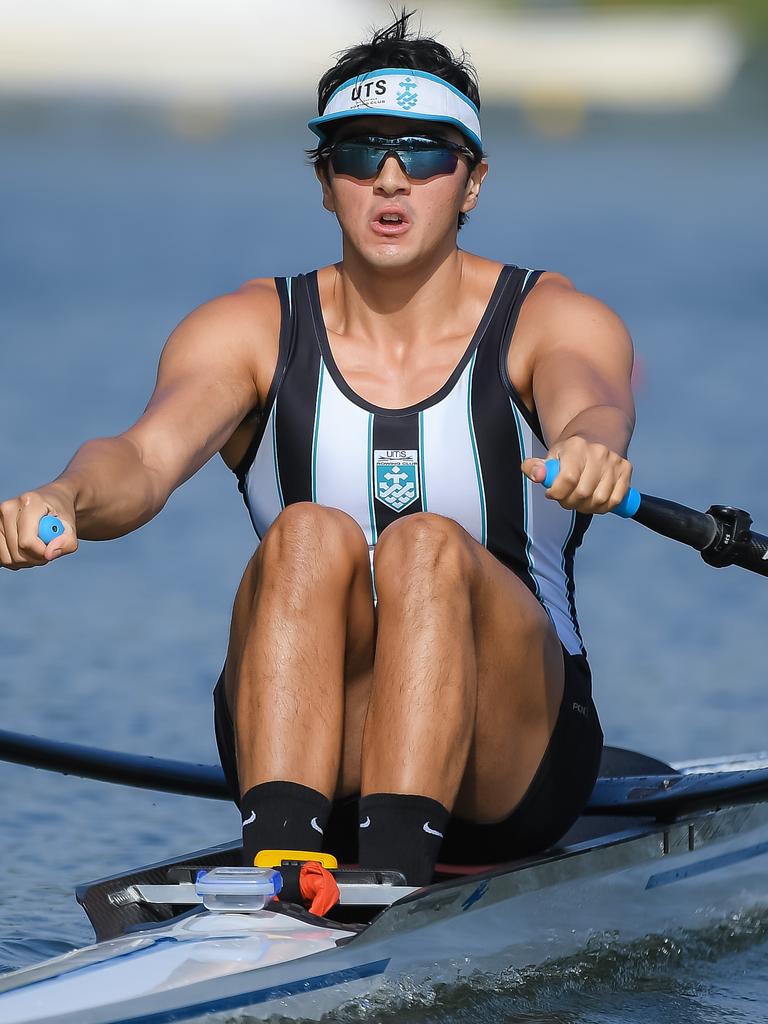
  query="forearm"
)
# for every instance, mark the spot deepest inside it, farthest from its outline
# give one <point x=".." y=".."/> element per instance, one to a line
<point x="600" y="424"/>
<point x="112" y="490"/>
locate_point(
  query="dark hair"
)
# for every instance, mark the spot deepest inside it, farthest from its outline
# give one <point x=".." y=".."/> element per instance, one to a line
<point x="397" y="47"/>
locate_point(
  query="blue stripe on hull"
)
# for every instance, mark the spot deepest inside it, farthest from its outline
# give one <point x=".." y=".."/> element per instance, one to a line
<point x="263" y="995"/>
<point x="702" y="867"/>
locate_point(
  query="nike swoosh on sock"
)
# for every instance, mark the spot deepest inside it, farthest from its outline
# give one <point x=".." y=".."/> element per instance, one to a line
<point x="432" y="831"/>
<point x="250" y="819"/>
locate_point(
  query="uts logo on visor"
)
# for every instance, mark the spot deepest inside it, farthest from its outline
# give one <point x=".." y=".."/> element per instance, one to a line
<point x="366" y="91"/>
<point x="396" y="474"/>
<point x="407" y="99"/>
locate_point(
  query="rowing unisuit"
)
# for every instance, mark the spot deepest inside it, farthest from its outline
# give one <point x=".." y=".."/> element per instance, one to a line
<point x="457" y="453"/>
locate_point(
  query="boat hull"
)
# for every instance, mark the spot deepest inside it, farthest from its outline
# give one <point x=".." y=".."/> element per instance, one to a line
<point x="641" y="879"/>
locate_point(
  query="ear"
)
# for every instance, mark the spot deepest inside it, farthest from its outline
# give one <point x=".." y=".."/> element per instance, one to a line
<point x="321" y="170"/>
<point x="474" y="183"/>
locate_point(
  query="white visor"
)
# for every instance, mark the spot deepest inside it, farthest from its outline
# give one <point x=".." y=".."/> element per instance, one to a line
<point x="401" y="92"/>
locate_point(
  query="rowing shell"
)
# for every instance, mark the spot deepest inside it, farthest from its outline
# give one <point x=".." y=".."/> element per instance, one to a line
<point x="162" y="957"/>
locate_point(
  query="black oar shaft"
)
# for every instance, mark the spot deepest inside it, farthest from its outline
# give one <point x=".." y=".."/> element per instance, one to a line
<point x="661" y="796"/>
<point x="722" y="534"/>
<point x="138" y="770"/>
<point x="754" y="554"/>
<point x="678" y="522"/>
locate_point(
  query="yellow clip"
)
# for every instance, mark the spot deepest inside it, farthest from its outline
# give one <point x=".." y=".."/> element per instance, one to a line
<point x="273" y="858"/>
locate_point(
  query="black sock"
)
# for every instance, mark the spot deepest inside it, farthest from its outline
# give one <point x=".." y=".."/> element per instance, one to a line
<point x="402" y="833"/>
<point x="282" y="816"/>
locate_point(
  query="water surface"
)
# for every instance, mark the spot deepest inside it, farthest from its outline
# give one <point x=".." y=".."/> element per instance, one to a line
<point x="114" y="225"/>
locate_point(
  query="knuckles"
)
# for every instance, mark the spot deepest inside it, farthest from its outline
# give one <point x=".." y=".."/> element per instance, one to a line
<point x="19" y="548"/>
<point x="602" y="496"/>
<point x="599" y="485"/>
<point x="566" y="478"/>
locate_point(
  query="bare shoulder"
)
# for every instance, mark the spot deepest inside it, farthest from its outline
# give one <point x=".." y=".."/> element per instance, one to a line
<point x="233" y="319"/>
<point x="556" y="307"/>
<point x="237" y="332"/>
<point x="557" y="319"/>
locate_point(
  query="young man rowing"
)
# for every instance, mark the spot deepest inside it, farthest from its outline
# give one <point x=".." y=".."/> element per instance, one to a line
<point x="406" y="632"/>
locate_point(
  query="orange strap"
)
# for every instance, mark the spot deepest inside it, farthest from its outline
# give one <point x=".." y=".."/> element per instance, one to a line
<point x="318" y="887"/>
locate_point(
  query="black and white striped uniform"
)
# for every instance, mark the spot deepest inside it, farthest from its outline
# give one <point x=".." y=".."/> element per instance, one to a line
<point x="457" y="453"/>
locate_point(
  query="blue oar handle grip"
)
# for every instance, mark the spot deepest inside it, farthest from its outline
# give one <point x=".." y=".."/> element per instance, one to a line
<point x="626" y="508"/>
<point x="49" y="527"/>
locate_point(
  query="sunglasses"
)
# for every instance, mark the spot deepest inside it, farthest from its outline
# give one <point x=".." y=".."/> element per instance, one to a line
<point x="420" y="157"/>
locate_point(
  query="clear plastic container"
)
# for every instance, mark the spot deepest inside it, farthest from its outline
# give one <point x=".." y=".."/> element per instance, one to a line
<point x="238" y="890"/>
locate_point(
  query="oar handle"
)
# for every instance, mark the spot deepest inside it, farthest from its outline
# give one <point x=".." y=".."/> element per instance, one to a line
<point x="722" y="534"/>
<point x="49" y="527"/>
<point x="626" y="508"/>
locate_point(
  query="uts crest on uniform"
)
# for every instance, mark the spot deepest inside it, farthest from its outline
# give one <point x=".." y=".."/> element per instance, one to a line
<point x="397" y="477"/>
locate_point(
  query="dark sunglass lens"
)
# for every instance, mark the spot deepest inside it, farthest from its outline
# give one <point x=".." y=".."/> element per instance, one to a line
<point x="425" y="163"/>
<point x="420" y="158"/>
<point x="358" y="161"/>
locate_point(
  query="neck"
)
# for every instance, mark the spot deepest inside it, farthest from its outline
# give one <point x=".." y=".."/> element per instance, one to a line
<point x="403" y="305"/>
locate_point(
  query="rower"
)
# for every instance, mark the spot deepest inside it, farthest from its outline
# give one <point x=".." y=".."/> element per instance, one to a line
<point x="405" y="677"/>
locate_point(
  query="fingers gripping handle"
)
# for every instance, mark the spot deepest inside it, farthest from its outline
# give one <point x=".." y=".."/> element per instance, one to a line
<point x="626" y="508"/>
<point x="48" y="528"/>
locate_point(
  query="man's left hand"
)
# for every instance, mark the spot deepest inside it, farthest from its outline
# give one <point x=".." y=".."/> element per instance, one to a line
<point x="592" y="478"/>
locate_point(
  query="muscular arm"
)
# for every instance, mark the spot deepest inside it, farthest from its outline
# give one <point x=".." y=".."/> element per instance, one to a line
<point x="581" y="366"/>
<point x="207" y="381"/>
<point x="213" y="371"/>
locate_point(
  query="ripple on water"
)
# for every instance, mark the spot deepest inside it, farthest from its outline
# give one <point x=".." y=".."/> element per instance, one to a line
<point x="19" y="951"/>
<point x="605" y="981"/>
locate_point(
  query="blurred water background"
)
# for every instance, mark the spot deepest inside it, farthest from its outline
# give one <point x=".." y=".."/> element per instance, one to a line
<point x="119" y="212"/>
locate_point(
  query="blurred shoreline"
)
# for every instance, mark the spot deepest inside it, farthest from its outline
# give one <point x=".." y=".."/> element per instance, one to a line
<point x="633" y="58"/>
<point x="742" y="110"/>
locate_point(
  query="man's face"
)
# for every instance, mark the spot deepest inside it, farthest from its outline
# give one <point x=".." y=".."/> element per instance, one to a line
<point x="429" y="208"/>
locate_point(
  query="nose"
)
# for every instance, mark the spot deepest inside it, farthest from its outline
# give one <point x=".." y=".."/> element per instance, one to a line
<point x="391" y="179"/>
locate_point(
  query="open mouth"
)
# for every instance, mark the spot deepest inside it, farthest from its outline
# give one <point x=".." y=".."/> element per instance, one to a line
<point x="390" y="222"/>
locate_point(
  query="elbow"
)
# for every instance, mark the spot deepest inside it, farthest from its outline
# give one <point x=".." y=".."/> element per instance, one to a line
<point x="148" y="484"/>
<point x="155" y="484"/>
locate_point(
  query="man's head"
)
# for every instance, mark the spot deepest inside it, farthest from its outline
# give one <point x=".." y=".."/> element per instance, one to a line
<point x="400" y="137"/>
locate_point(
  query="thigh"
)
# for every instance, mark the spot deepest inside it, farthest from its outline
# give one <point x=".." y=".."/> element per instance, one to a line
<point x="520" y="673"/>
<point x="520" y="682"/>
<point x="358" y="653"/>
<point x="558" y="792"/>
<point x="328" y="534"/>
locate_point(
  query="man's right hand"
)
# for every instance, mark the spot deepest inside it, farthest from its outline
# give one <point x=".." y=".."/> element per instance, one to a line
<point x="20" y="546"/>
<point x="208" y="382"/>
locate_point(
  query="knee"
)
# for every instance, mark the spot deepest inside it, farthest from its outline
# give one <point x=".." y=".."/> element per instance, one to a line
<point x="428" y="549"/>
<point x="311" y="540"/>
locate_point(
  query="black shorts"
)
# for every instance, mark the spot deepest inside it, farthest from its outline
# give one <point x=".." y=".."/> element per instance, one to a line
<point x="552" y="803"/>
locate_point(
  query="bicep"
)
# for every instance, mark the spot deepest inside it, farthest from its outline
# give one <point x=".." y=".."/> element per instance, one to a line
<point x="186" y="422"/>
<point x="206" y="385"/>
<point x="583" y="359"/>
